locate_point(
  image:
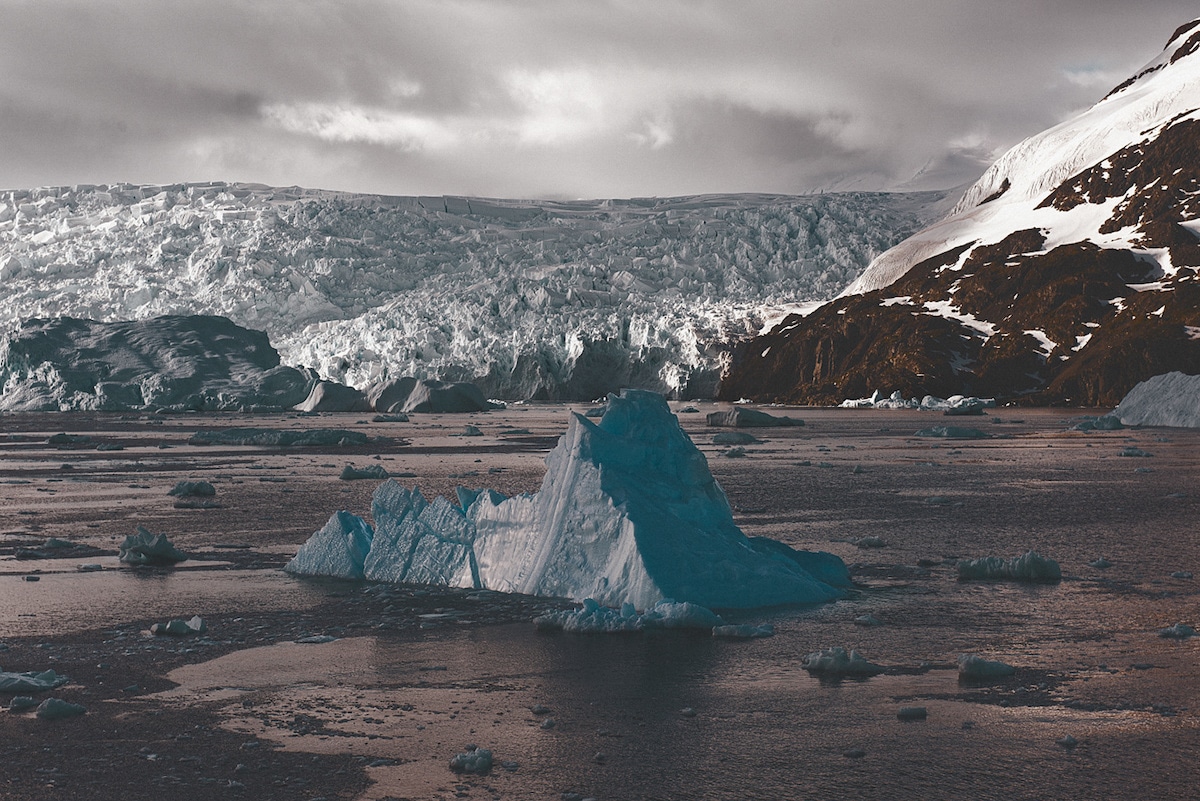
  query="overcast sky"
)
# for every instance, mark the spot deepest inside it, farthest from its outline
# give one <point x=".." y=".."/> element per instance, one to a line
<point x="551" y="98"/>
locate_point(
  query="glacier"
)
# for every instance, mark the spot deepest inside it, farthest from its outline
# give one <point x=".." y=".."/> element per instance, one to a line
<point x="547" y="300"/>
<point x="627" y="513"/>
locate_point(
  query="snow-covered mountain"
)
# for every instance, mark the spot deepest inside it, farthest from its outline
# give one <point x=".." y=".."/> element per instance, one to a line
<point x="554" y="300"/>
<point x="1066" y="273"/>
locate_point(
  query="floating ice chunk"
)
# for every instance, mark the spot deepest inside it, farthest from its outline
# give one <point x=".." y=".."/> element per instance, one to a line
<point x="1101" y="564"/>
<point x="180" y="628"/>
<point x="188" y="489"/>
<point x="30" y="682"/>
<point x="1170" y="399"/>
<point x="871" y="541"/>
<point x="867" y="620"/>
<point x="683" y="615"/>
<point x="145" y="548"/>
<point x="1136" y="453"/>
<point x="1029" y="567"/>
<point x="330" y="396"/>
<point x="58" y="709"/>
<point x="593" y="618"/>
<point x="22" y="703"/>
<point x="1067" y="741"/>
<point x="398" y="417"/>
<point x="274" y="437"/>
<point x="954" y="405"/>
<point x="744" y="631"/>
<point x="316" y="639"/>
<point x="1108" y="422"/>
<point x="952" y="432"/>
<point x="339" y="549"/>
<point x="976" y="668"/>
<point x="837" y="661"/>
<point x="371" y="471"/>
<point x="735" y="453"/>
<point x="741" y="417"/>
<point x="409" y="395"/>
<point x="735" y="438"/>
<point x="473" y="760"/>
<point x="908" y="713"/>
<point x="471" y="431"/>
<point x="1180" y="631"/>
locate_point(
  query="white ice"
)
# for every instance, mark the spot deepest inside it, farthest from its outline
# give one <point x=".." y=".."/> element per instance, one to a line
<point x="1171" y="399"/>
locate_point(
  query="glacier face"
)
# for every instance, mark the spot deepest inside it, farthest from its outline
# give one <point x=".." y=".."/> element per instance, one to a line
<point x="628" y="512"/>
<point x="548" y="300"/>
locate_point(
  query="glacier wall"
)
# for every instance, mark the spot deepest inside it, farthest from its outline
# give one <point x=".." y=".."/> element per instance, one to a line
<point x="545" y="300"/>
<point x="628" y="512"/>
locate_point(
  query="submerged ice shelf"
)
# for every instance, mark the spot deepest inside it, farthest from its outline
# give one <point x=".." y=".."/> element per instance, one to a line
<point x="628" y="512"/>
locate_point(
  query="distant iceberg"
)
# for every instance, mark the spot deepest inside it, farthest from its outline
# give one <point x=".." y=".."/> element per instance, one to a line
<point x="628" y="512"/>
<point x="953" y="405"/>
<point x="1170" y="399"/>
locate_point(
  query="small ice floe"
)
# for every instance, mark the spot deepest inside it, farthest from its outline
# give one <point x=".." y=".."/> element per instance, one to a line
<point x="688" y="712"/>
<point x="58" y="709"/>
<point x="31" y="682"/>
<point x="1068" y="742"/>
<point x="749" y="418"/>
<point x="539" y="709"/>
<point x="1029" y="567"/>
<point x="735" y="438"/>
<point x="854" y="753"/>
<point x="470" y="431"/>
<point x="89" y="567"/>
<point x="1181" y="574"/>
<point x="22" y="703"/>
<point x="908" y="713"/>
<point x="689" y="410"/>
<point x="180" y="628"/>
<point x="398" y="417"/>
<point x="547" y="724"/>
<point x="473" y="760"/>
<point x="735" y="453"/>
<point x="1134" y="453"/>
<point x="282" y="438"/>
<point x="1101" y="564"/>
<point x="975" y="668"/>
<point x="837" y="661"/>
<point x="192" y="489"/>
<point x="952" y="432"/>
<point x="871" y="541"/>
<point x="591" y="617"/>
<point x="1180" y="631"/>
<point x="867" y="620"/>
<point x="145" y="548"/>
<point x="316" y="639"/>
<point x="744" y="631"/>
<point x="1106" y="422"/>
<point x="371" y="471"/>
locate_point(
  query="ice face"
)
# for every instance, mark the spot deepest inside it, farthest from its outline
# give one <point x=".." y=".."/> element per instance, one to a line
<point x="1171" y="399"/>
<point x="339" y="549"/>
<point x="560" y="301"/>
<point x="628" y="512"/>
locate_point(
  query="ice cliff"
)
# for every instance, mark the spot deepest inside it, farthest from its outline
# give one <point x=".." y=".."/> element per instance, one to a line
<point x="548" y="300"/>
<point x="628" y="512"/>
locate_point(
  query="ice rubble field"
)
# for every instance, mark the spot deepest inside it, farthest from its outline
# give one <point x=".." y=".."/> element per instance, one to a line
<point x="627" y="514"/>
<point x="557" y="300"/>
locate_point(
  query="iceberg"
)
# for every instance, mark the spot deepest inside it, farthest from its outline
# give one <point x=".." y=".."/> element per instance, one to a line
<point x="628" y="512"/>
<point x="1170" y="399"/>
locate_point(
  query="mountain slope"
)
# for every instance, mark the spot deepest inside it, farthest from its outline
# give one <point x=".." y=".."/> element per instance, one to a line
<point x="554" y="300"/>
<point x="1066" y="274"/>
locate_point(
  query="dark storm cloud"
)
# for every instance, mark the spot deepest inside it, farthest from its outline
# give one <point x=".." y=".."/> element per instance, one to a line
<point x="546" y="97"/>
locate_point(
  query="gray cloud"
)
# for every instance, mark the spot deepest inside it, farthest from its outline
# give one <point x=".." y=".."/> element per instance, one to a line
<point x="551" y="97"/>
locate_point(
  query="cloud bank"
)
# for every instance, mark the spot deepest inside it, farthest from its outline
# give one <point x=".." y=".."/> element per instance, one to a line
<point x="550" y="98"/>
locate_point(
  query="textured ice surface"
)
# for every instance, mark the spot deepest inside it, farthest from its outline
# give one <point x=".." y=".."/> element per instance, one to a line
<point x="955" y="404"/>
<point x="58" y="709"/>
<point x="30" y="682"/>
<point x="1171" y="399"/>
<point x="144" y="548"/>
<point x="180" y="363"/>
<point x="976" y="668"/>
<point x="592" y="618"/>
<point x="534" y="299"/>
<point x="339" y="549"/>
<point x="628" y="512"/>
<point x="837" y="661"/>
<point x="1029" y="567"/>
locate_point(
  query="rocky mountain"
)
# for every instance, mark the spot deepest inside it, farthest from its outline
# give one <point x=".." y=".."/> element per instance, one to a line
<point x="1066" y="274"/>
<point x="551" y="300"/>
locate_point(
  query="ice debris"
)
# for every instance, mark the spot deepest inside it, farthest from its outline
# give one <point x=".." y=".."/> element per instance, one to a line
<point x="952" y="432"/>
<point x="275" y="437"/>
<point x="837" y="661"/>
<point x="627" y="512"/>
<point x="1134" y="452"/>
<point x="741" y="417"/>
<point x="22" y="703"/>
<point x="1180" y="631"/>
<point x="592" y="618"/>
<point x="908" y="713"/>
<point x="473" y="760"/>
<point x="180" y="628"/>
<point x="145" y="548"/>
<point x="744" y="631"/>
<point x="1108" y="422"/>
<point x="31" y="682"/>
<point x="371" y="471"/>
<point x="58" y="709"/>
<point x="1029" y="567"/>
<point x="1170" y="399"/>
<point x="954" y="405"/>
<point x="193" y="489"/>
<point x="975" y="668"/>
